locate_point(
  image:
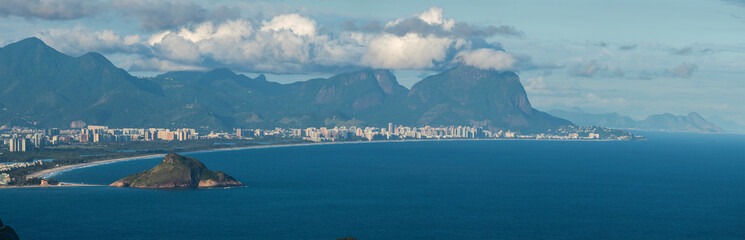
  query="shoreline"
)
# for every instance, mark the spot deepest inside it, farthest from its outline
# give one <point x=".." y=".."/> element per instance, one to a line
<point x="46" y="173"/>
<point x="54" y="171"/>
<point x="62" y="184"/>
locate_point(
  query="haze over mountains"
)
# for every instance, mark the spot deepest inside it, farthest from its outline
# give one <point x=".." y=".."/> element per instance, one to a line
<point x="693" y="122"/>
<point x="42" y="86"/>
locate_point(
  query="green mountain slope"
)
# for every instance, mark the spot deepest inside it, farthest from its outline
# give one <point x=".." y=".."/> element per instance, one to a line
<point x="469" y="96"/>
<point x="39" y="84"/>
<point x="42" y="86"/>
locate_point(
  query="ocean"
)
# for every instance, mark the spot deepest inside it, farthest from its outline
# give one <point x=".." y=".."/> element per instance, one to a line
<point x="672" y="186"/>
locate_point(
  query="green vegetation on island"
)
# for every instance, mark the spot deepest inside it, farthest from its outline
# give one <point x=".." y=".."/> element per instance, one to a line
<point x="178" y="172"/>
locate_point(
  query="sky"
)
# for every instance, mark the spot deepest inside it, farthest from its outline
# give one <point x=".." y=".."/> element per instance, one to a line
<point x="632" y="57"/>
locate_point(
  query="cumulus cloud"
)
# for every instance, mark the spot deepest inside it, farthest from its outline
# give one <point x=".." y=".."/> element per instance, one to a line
<point x="175" y="47"/>
<point x="50" y="9"/>
<point x="189" y="38"/>
<point x="488" y="59"/>
<point x="301" y="26"/>
<point x="79" y="40"/>
<point x="411" y="51"/>
<point x="434" y="16"/>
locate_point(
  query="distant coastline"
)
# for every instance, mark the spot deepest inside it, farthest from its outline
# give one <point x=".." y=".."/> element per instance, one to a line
<point x="47" y="173"/>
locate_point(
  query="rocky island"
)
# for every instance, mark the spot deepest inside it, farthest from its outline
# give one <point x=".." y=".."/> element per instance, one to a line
<point x="178" y="172"/>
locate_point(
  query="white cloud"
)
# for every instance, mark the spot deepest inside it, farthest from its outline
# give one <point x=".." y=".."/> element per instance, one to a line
<point x="156" y="38"/>
<point x="292" y="43"/>
<point x="406" y="52"/>
<point x="295" y="23"/>
<point x="79" y="40"/>
<point x="175" y="47"/>
<point x="488" y="59"/>
<point x="132" y="39"/>
<point x="229" y="30"/>
<point x="434" y="16"/>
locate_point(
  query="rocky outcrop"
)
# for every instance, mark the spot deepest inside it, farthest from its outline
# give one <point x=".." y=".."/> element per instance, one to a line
<point x="7" y="233"/>
<point x="178" y="172"/>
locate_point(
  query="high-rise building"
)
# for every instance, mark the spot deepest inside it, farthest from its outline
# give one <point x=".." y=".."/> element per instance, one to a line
<point x="97" y="137"/>
<point x="182" y="135"/>
<point x="390" y="128"/>
<point x="19" y="144"/>
<point x="39" y="140"/>
<point x="84" y="138"/>
<point x="51" y="132"/>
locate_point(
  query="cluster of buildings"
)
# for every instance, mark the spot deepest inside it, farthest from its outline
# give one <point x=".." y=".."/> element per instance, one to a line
<point x="24" y="139"/>
<point x="5" y="167"/>
<point x="405" y="132"/>
<point x="392" y="133"/>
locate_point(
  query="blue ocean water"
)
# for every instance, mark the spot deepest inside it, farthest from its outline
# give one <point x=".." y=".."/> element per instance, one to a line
<point x="673" y="186"/>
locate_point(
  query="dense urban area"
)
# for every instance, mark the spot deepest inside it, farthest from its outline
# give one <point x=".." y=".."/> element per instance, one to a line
<point x="27" y="150"/>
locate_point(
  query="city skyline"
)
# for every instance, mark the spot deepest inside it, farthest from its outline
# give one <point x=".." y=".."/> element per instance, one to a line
<point x="652" y="57"/>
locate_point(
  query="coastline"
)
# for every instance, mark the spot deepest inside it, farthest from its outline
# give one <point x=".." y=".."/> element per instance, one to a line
<point x="54" y="171"/>
<point x="46" y="173"/>
<point x="53" y="186"/>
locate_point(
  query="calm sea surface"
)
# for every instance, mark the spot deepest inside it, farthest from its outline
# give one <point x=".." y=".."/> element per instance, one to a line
<point x="673" y="186"/>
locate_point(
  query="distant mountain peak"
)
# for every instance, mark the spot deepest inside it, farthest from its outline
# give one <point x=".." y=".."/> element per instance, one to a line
<point x="261" y="77"/>
<point x="33" y="48"/>
<point x="220" y="72"/>
<point x="32" y="41"/>
<point x="221" y="98"/>
<point x="693" y="122"/>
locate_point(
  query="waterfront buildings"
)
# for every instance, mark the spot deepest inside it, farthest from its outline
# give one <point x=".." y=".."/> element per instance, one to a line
<point x="24" y="139"/>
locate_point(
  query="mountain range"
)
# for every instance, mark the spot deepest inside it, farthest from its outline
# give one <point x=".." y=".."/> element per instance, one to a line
<point x="43" y="87"/>
<point x="693" y="122"/>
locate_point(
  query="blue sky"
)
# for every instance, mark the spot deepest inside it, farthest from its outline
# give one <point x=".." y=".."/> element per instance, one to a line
<point x="632" y="57"/>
